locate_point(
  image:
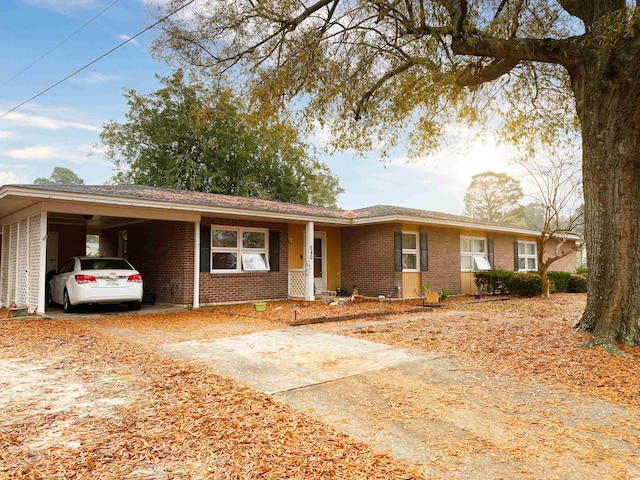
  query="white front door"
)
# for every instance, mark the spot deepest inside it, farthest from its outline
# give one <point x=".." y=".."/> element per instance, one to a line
<point x="320" y="262"/>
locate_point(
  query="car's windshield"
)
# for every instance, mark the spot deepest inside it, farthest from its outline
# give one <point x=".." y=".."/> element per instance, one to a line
<point x="105" y="264"/>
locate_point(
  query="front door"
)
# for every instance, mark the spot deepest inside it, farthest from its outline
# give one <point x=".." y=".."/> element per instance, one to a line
<point x="52" y="251"/>
<point x="320" y="262"/>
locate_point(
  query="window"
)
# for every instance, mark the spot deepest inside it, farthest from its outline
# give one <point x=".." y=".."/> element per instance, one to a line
<point x="473" y="254"/>
<point x="409" y="251"/>
<point x="527" y="256"/>
<point x="239" y="249"/>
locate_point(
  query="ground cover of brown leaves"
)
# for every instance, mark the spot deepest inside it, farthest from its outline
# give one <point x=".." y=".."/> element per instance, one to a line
<point x="531" y="339"/>
<point x="109" y="408"/>
<point x="79" y="403"/>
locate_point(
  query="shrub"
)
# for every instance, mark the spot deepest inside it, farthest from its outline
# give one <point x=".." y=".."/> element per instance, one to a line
<point x="581" y="270"/>
<point x="560" y="280"/>
<point x="525" y="284"/>
<point x="577" y="283"/>
<point x="493" y="282"/>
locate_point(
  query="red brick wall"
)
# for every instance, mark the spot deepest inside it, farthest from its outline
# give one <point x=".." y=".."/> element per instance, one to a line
<point x="367" y="259"/>
<point x="565" y="264"/>
<point x="162" y="251"/>
<point x="247" y="286"/>
<point x="444" y="259"/>
<point x="72" y="241"/>
<point x="503" y="251"/>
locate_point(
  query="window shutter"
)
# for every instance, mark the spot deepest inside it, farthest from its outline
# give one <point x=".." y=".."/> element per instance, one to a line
<point x="397" y="253"/>
<point x="274" y="250"/>
<point x="424" y="252"/>
<point x="205" y="249"/>
<point x="516" y="259"/>
<point x="491" y="255"/>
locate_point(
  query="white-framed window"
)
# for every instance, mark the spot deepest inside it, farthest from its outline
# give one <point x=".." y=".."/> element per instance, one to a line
<point x="410" y="259"/>
<point x="473" y="254"/>
<point x="238" y="249"/>
<point x="527" y="256"/>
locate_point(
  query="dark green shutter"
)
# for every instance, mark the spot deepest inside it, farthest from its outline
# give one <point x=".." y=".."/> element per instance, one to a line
<point x="205" y="249"/>
<point x="491" y="255"/>
<point x="397" y="252"/>
<point x="424" y="252"/>
<point x="515" y="257"/>
<point x="274" y="250"/>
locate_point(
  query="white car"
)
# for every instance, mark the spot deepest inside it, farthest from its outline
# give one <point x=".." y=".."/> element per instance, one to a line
<point x="90" y="280"/>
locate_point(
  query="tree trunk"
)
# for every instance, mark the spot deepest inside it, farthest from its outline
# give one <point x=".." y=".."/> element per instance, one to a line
<point x="544" y="279"/>
<point x="607" y="90"/>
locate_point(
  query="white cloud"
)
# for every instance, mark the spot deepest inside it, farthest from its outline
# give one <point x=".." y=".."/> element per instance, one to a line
<point x="47" y="152"/>
<point x="94" y="78"/>
<point x="9" y="177"/>
<point x="124" y="37"/>
<point x="47" y="123"/>
<point x="6" y="134"/>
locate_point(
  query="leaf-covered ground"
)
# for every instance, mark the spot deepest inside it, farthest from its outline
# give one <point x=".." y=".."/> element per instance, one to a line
<point x="93" y="398"/>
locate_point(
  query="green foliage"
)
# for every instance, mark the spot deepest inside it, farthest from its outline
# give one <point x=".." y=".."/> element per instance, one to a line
<point x="192" y="137"/>
<point x="444" y="294"/>
<point x="60" y="176"/>
<point x="493" y="282"/>
<point x="493" y="196"/>
<point x="581" y="270"/>
<point x="525" y="284"/>
<point x="560" y="281"/>
<point x="577" y="283"/>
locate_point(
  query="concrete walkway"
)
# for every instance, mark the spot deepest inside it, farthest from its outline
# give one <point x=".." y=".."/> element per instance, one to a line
<point x="424" y="408"/>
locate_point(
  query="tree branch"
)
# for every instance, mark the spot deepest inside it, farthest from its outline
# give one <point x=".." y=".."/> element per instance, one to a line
<point x="563" y="52"/>
<point x="473" y="76"/>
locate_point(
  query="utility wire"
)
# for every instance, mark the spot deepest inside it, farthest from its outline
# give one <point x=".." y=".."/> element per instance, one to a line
<point x="98" y="59"/>
<point x="58" y="45"/>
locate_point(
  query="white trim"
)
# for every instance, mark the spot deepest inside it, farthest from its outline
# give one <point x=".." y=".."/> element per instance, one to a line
<point x="323" y="253"/>
<point x="472" y="254"/>
<point x="527" y="256"/>
<point x="196" y="266"/>
<point x="239" y="249"/>
<point x="43" y="264"/>
<point x="411" y="251"/>
<point x="308" y="263"/>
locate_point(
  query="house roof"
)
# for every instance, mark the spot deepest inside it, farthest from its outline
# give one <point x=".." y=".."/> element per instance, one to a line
<point x="155" y="197"/>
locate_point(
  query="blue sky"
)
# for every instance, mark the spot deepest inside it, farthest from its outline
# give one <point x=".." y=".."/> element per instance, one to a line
<point x="61" y="127"/>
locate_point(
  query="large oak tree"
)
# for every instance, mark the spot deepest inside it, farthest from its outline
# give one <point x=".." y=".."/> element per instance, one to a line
<point x="371" y="70"/>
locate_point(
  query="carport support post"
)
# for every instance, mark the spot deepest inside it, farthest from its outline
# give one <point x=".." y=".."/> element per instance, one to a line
<point x="308" y="264"/>
<point x="196" y="266"/>
<point x="44" y="233"/>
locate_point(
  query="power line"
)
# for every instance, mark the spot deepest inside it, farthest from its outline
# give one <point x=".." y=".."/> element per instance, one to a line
<point x="97" y="59"/>
<point x="58" y="45"/>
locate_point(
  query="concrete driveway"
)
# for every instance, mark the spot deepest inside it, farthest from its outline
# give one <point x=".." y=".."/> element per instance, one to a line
<point x="412" y="403"/>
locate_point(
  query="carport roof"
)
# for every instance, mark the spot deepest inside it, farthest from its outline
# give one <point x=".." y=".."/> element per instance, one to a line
<point x="215" y="203"/>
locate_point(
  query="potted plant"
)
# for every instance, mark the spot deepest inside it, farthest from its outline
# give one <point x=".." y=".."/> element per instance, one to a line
<point x="429" y="296"/>
<point x="355" y="296"/>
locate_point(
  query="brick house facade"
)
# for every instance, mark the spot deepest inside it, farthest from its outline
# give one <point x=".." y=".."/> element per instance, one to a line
<point x="167" y="240"/>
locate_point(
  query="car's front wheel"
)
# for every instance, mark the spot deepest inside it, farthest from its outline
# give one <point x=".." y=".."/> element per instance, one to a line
<point x="66" y="303"/>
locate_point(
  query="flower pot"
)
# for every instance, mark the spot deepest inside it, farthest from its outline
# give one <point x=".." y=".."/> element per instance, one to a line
<point x="357" y="298"/>
<point x="260" y="306"/>
<point x="19" y="312"/>
<point x="432" y="297"/>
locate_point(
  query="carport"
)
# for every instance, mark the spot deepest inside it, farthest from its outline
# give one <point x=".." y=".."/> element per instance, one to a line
<point x="43" y="227"/>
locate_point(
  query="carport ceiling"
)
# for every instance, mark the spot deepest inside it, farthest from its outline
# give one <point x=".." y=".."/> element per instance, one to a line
<point x="95" y="223"/>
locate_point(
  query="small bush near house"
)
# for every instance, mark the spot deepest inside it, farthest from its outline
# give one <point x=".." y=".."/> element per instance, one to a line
<point x="577" y="283"/>
<point x="493" y="282"/>
<point x="561" y="281"/>
<point x="581" y="270"/>
<point x="525" y="284"/>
